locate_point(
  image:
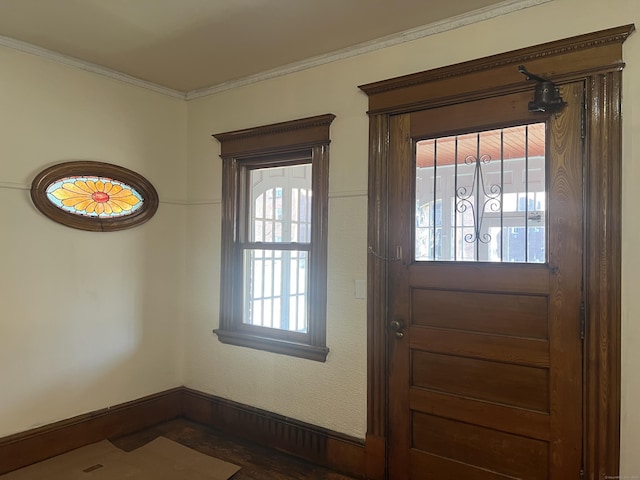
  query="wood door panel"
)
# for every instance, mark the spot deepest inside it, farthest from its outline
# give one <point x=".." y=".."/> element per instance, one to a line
<point x="500" y="417"/>
<point x="480" y="277"/>
<point x="513" y="315"/>
<point x="490" y="112"/>
<point x="532" y="352"/>
<point x="513" y="385"/>
<point x="425" y="466"/>
<point x="484" y="376"/>
<point x="504" y="453"/>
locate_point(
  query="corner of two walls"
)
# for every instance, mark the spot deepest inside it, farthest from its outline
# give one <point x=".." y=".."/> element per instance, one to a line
<point x="88" y="320"/>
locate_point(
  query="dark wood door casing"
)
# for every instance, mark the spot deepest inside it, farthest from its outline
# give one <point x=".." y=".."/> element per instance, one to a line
<point x="595" y="59"/>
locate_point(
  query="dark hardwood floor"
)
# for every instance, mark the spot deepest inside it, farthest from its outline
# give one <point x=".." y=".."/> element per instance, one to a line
<point x="257" y="462"/>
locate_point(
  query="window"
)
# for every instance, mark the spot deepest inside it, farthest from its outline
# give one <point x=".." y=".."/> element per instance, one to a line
<point x="481" y="196"/>
<point x="274" y="237"/>
<point x="94" y="196"/>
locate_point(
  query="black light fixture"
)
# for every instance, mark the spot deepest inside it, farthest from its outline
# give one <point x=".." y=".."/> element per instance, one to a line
<point x="546" y="97"/>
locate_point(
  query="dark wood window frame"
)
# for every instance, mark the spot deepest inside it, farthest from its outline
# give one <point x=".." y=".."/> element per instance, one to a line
<point x="276" y="144"/>
<point x="596" y="59"/>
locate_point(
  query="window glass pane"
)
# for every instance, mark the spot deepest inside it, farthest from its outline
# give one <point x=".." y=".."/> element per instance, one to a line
<point x="280" y="203"/>
<point x="275" y="289"/>
<point x="482" y="196"/>
<point x="93" y="196"/>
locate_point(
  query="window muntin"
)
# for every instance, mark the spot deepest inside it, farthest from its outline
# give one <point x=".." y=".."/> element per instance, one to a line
<point x="276" y="289"/>
<point x="280" y="199"/>
<point x="481" y="196"/>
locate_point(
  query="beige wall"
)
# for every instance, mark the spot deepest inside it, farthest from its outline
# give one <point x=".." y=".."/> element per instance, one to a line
<point x="333" y="394"/>
<point x="87" y="320"/>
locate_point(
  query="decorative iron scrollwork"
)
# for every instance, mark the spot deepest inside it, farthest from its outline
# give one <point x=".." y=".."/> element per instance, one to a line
<point x="467" y="197"/>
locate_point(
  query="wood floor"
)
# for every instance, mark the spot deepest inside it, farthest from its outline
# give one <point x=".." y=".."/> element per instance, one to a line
<point x="257" y="462"/>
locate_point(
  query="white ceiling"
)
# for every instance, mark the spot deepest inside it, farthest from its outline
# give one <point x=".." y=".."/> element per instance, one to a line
<point x="190" y="45"/>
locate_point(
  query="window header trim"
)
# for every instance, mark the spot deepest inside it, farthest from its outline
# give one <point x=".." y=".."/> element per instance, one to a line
<point x="277" y="137"/>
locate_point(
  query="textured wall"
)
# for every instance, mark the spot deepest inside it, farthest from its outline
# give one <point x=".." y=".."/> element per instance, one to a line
<point x="330" y="394"/>
<point x="333" y="395"/>
<point x="87" y="319"/>
<point x="81" y="330"/>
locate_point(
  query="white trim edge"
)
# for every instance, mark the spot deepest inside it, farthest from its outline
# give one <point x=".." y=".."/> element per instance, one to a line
<point x="14" y="186"/>
<point x="349" y="194"/>
<point x="486" y="13"/>
<point x="204" y="201"/>
<point x="458" y="21"/>
<point x="218" y="201"/>
<point x="87" y="66"/>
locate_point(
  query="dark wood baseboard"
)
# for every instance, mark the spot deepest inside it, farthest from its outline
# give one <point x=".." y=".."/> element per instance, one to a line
<point x="309" y="442"/>
<point x="315" y="444"/>
<point x="26" y="448"/>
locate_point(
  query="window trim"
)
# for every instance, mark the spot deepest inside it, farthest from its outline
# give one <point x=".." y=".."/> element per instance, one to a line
<point x="242" y="149"/>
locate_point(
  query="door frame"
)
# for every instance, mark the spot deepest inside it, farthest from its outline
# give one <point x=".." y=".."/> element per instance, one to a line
<point x="596" y="59"/>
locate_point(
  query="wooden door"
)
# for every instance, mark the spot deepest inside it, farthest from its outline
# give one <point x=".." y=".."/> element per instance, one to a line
<point x="485" y="373"/>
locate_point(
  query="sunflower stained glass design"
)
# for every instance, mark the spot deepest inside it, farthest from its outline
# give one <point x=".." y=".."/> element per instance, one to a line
<point x="94" y="196"/>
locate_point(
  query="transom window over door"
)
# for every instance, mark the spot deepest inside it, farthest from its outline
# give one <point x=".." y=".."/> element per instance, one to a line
<point x="481" y="196"/>
<point x="274" y="237"/>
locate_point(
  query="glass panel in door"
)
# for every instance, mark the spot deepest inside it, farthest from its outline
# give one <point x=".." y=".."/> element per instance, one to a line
<point x="481" y="196"/>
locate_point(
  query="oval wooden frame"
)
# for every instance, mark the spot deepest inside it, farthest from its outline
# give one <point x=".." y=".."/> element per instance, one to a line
<point x="95" y="224"/>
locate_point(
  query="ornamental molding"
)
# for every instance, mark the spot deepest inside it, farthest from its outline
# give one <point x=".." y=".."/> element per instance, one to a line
<point x="476" y="16"/>
<point x="434" y="28"/>
<point x="276" y="128"/>
<point x="94" y="196"/>
<point x="582" y="42"/>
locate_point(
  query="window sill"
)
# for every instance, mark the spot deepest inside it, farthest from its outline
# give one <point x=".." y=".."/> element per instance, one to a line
<point x="274" y="345"/>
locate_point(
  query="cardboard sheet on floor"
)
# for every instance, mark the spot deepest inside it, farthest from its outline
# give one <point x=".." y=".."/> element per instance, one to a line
<point x="161" y="459"/>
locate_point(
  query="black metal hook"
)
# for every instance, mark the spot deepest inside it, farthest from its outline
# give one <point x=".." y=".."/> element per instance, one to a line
<point x="531" y="76"/>
<point x="547" y="97"/>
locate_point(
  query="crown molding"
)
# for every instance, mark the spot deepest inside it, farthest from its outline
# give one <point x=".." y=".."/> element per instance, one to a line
<point x="524" y="55"/>
<point x="87" y="66"/>
<point x="452" y="23"/>
<point x="482" y="14"/>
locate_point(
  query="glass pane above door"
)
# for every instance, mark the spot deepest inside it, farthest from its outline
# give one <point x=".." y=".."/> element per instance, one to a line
<point x="482" y="196"/>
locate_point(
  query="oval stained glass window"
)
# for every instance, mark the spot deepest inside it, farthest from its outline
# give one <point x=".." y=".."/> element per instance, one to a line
<point x="94" y="196"/>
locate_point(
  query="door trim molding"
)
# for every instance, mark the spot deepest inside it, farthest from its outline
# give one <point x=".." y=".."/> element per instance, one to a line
<point x="596" y="59"/>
